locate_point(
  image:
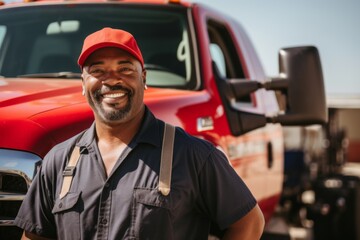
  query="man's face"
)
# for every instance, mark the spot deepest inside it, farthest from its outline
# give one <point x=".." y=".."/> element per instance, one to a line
<point x="113" y="83"/>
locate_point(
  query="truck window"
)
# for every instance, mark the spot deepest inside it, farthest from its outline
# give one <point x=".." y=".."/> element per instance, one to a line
<point x="2" y="37"/>
<point x="221" y="41"/>
<point x="224" y="54"/>
<point x="218" y="57"/>
<point x="49" y="41"/>
<point x="2" y="34"/>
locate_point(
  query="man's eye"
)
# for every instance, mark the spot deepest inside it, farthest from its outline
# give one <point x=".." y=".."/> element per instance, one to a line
<point x="125" y="70"/>
<point x="97" y="71"/>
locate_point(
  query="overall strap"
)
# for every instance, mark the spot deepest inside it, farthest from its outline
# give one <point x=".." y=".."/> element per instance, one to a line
<point x="165" y="164"/>
<point x="70" y="171"/>
<point x="166" y="159"/>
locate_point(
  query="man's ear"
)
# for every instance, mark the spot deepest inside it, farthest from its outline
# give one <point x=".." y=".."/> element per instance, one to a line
<point x="82" y="85"/>
<point x="143" y="76"/>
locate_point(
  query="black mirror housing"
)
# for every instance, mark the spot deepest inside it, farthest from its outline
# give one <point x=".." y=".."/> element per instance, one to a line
<point x="300" y="81"/>
<point x="305" y="94"/>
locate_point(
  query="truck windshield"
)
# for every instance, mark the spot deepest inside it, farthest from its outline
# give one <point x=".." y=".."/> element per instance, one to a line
<point x="45" y="41"/>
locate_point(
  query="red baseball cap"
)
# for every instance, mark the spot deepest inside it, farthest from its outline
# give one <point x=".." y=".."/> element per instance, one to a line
<point x="109" y="37"/>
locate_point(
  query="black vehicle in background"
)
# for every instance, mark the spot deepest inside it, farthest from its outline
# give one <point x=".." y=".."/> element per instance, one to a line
<point x="322" y="174"/>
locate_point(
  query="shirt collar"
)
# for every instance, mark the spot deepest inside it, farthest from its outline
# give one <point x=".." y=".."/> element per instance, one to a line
<point x="150" y="132"/>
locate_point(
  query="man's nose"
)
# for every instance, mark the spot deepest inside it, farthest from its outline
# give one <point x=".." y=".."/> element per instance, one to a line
<point x="112" y="78"/>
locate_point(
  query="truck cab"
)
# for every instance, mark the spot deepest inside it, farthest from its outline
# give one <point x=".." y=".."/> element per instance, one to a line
<point x="202" y="70"/>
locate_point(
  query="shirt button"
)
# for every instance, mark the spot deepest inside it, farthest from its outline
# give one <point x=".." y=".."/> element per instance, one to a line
<point x="107" y="185"/>
<point x="60" y="205"/>
<point x="104" y="221"/>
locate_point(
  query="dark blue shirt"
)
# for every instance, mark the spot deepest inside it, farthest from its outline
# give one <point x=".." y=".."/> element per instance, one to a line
<point x="127" y="204"/>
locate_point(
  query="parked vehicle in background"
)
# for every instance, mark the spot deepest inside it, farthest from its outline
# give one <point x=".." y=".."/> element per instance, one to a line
<point x="322" y="172"/>
<point x="203" y="72"/>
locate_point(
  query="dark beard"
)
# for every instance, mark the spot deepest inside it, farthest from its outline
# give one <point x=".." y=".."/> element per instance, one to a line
<point x="115" y="115"/>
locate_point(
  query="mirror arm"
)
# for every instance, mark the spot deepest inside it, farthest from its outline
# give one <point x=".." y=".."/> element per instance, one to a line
<point x="276" y="84"/>
<point x="272" y="119"/>
<point x="243" y="87"/>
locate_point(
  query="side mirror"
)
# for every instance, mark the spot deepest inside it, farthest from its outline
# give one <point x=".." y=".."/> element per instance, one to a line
<point x="300" y="81"/>
<point x="305" y="93"/>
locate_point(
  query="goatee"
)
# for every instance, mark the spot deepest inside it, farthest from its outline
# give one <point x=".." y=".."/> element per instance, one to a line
<point x="115" y="114"/>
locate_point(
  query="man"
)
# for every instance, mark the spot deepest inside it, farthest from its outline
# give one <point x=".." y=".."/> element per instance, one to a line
<point x="114" y="191"/>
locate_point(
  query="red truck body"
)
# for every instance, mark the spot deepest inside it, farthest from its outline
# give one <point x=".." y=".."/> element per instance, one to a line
<point x="39" y="111"/>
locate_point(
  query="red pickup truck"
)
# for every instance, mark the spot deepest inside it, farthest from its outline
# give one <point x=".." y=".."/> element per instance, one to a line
<point x="203" y="73"/>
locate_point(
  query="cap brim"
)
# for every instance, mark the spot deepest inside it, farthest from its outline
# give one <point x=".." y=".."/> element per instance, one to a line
<point x="85" y="54"/>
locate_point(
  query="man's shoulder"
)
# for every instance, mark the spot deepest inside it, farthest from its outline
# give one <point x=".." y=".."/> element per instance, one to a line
<point x="185" y="140"/>
<point x="63" y="149"/>
<point x="69" y="143"/>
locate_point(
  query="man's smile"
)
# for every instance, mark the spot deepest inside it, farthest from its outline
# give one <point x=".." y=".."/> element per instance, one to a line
<point x="115" y="99"/>
<point x="113" y="95"/>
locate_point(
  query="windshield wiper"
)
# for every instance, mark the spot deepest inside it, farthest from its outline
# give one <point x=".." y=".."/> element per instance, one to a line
<point x="52" y="75"/>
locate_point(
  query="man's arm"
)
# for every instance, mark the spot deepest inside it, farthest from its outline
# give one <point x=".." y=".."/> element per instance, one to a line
<point x="251" y="226"/>
<point x="31" y="236"/>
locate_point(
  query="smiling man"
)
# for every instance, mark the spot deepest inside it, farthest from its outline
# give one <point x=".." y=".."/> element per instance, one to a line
<point x="113" y="102"/>
<point x="113" y="189"/>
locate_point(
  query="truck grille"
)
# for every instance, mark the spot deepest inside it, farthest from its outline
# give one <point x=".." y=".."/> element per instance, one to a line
<point x="13" y="183"/>
<point x="17" y="169"/>
<point x="13" y="188"/>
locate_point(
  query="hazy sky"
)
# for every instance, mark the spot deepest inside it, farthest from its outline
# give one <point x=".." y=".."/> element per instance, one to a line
<point x="333" y="26"/>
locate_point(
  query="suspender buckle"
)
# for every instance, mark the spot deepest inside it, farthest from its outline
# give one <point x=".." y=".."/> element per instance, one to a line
<point x="69" y="171"/>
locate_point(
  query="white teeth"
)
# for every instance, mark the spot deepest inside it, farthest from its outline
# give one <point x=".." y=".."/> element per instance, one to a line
<point x="113" y="95"/>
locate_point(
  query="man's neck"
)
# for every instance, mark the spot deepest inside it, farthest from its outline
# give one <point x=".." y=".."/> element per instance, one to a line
<point x="112" y="139"/>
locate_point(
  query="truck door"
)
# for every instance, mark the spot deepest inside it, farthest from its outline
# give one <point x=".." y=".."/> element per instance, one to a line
<point x="257" y="155"/>
<point x="241" y="150"/>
